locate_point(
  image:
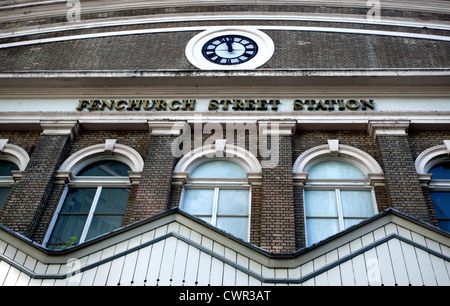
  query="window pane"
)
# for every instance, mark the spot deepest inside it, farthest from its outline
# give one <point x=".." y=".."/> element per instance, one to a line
<point x="66" y="227"/>
<point x="4" y="192"/>
<point x="237" y="226"/>
<point x="335" y="170"/>
<point x="198" y="201"/>
<point x="6" y="167"/>
<point x="320" y="203"/>
<point x="318" y="229"/>
<point x="112" y="201"/>
<point x="357" y="204"/>
<point x="105" y="168"/>
<point x="441" y="171"/>
<point x="444" y="225"/>
<point x="78" y="201"/>
<point x="233" y="202"/>
<point x="441" y="202"/>
<point x="219" y="169"/>
<point x="103" y="224"/>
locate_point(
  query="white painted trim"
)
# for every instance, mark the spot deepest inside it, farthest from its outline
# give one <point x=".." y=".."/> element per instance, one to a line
<point x="352" y="155"/>
<point x="49" y="232"/>
<point x="16" y="155"/>
<point x="91" y="154"/>
<point x="213" y="28"/>
<point x="239" y="155"/>
<point x="266" y="48"/>
<point x="429" y="158"/>
<point x="89" y="24"/>
<point x="57" y="8"/>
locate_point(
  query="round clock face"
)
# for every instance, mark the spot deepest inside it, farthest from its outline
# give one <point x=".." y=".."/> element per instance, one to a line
<point x="230" y="49"/>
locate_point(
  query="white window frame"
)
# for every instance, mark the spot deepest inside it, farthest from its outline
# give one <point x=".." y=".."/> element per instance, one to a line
<point x="337" y="186"/>
<point x="91" y="182"/>
<point x="217" y="185"/>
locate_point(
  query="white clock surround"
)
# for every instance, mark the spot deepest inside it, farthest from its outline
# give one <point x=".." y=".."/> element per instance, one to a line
<point x="266" y="48"/>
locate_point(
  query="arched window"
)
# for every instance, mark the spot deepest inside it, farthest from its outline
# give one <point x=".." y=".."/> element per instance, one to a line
<point x="6" y="179"/>
<point x="433" y="167"/>
<point x="12" y="158"/>
<point x="336" y="197"/>
<point x="93" y="205"/>
<point x="218" y="193"/>
<point x="440" y="192"/>
<point x="217" y="188"/>
<point x="338" y="185"/>
<point x="96" y="196"/>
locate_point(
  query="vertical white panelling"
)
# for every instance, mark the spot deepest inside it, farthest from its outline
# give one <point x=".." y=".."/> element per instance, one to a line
<point x="398" y="262"/>
<point x="129" y="267"/>
<point x="167" y="261"/>
<point x="88" y="277"/>
<point x="4" y="268"/>
<point x="192" y="266"/>
<point x="155" y="263"/>
<point x="229" y="272"/>
<point x="322" y="279"/>
<point x="412" y="266"/>
<point x="440" y="271"/>
<point x="334" y="276"/>
<point x="360" y="272"/>
<point x="384" y="262"/>
<point x="173" y="261"/>
<point x="204" y="267"/>
<point x="115" y="272"/>
<point x="281" y="274"/>
<point x="140" y="275"/>
<point x="347" y="274"/>
<point x="179" y="265"/>
<point x="257" y="268"/>
<point x="241" y="277"/>
<point x="3" y="246"/>
<point x="217" y="265"/>
<point x="229" y="275"/>
<point x="12" y="277"/>
<point x="426" y="268"/>
<point x="23" y="280"/>
<point x="102" y="274"/>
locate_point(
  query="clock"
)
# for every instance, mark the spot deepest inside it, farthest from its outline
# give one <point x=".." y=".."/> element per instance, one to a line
<point x="230" y="48"/>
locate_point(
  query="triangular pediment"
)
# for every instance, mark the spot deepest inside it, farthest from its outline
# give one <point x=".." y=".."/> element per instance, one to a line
<point x="174" y="248"/>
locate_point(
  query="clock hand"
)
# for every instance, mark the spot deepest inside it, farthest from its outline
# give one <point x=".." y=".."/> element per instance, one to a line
<point x="229" y="43"/>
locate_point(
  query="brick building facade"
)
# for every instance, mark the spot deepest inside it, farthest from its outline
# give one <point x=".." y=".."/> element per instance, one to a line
<point x="314" y="152"/>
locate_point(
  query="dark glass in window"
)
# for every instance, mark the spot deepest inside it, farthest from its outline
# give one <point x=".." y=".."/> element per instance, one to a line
<point x="105" y="168"/>
<point x="441" y="203"/>
<point x="441" y="171"/>
<point x="6" y="167"/>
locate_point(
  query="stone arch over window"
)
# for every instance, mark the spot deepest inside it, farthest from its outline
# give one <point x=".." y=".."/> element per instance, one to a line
<point x="433" y="168"/>
<point x="337" y="184"/>
<point x="431" y="157"/>
<point x="335" y="151"/>
<point x="13" y="161"/>
<point x="217" y="185"/>
<point x="14" y="154"/>
<point x="110" y="150"/>
<point x="98" y="183"/>
<point x="218" y="150"/>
